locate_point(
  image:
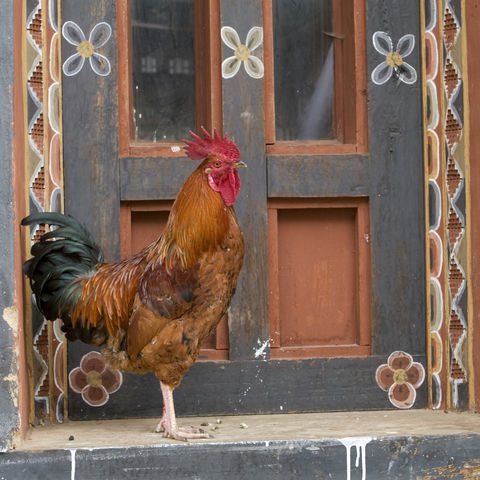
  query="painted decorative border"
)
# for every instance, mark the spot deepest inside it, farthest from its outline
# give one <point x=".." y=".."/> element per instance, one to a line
<point x="456" y="168"/>
<point x="45" y="186"/>
<point x="446" y="157"/>
<point x="435" y="201"/>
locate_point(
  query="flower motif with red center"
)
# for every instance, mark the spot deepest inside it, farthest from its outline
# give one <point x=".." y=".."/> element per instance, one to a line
<point x="400" y="377"/>
<point x="94" y="379"/>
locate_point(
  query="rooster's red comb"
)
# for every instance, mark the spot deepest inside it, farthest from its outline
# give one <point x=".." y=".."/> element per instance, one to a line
<point x="202" y="147"/>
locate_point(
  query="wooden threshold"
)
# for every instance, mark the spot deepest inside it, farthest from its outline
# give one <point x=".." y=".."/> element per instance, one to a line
<point x="139" y="431"/>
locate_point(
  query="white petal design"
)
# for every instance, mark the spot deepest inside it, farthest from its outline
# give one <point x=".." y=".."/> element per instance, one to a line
<point x="230" y="67"/>
<point x="431" y="7"/>
<point x="407" y="73"/>
<point x="73" y="65"/>
<point x="254" y="67"/>
<point x="382" y="73"/>
<point x="100" y="34"/>
<point x="406" y="45"/>
<point x="53" y="106"/>
<point x="254" y="38"/>
<point x="382" y="43"/>
<point x="72" y="33"/>
<point x="230" y="37"/>
<point x="100" y="64"/>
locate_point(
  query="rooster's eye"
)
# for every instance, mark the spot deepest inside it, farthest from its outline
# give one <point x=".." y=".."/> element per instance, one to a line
<point x="217" y="164"/>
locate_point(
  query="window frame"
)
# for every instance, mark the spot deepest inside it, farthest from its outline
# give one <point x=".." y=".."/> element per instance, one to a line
<point x="208" y="87"/>
<point x="350" y="130"/>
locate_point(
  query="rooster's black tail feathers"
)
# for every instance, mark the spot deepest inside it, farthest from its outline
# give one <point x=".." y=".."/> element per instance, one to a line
<point x="59" y="257"/>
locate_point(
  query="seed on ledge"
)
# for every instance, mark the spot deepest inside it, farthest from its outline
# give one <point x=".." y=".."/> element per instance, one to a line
<point x="243" y="425"/>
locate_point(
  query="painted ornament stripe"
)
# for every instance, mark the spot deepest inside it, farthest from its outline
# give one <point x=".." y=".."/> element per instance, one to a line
<point x="43" y="167"/>
<point x="456" y="167"/>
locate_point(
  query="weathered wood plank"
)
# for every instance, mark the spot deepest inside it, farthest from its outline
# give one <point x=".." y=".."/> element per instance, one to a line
<point x="246" y="387"/>
<point x="243" y="117"/>
<point x="317" y="176"/>
<point x="159" y="178"/>
<point x="90" y="123"/>
<point x="396" y="185"/>
<point x="90" y="138"/>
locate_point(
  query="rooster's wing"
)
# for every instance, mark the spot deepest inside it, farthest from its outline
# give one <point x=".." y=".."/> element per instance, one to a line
<point x="162" y="297"/>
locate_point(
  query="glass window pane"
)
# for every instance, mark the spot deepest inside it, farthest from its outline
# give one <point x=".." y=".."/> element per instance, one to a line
<point x="304" y="69"/>
<point x="163" y="68"/>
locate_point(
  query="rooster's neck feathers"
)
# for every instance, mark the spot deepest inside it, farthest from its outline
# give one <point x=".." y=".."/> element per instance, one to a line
<point x="198" y="222"/>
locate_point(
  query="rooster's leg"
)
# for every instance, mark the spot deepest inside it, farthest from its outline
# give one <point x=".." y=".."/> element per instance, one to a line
<point x="168" y="422"/>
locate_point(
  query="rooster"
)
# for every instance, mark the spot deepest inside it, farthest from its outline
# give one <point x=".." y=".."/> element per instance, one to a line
<point x="150" y="312"/>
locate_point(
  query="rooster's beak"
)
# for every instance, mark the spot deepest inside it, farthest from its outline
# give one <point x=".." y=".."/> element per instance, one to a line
<point x="239" y="164"/>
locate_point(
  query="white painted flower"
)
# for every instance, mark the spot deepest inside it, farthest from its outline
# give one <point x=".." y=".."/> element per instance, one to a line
<point x="394" y="59"/>
<point x="98" y="37"/>
<point x="242" y="52"/>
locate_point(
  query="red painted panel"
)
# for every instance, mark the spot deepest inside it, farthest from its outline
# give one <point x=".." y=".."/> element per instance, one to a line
<point x="146" y="228"/>
<point x="318" y="277"/>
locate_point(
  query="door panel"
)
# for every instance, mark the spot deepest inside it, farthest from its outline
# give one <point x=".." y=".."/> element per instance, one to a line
<point x="319" y="260"/>
<point x="380" y="258"/>
<point x="328" y="286"/>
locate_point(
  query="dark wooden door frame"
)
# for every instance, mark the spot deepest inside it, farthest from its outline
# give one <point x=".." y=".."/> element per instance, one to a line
<point x="391" y="174"/>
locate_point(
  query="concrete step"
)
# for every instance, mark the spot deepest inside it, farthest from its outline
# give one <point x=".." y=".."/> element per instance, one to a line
<point x="416" y="444"/>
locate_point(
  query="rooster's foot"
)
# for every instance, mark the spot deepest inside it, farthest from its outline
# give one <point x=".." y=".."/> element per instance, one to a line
<point x="181" y="433"/>
<point x="168" y="422"/>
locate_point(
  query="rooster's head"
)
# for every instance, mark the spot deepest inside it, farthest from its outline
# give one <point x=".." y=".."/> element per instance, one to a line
<point x="222" y="158"/>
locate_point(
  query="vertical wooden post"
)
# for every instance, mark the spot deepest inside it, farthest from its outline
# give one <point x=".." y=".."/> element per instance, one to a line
<point x="90" y="114"/>
<point x="243" y="120"/>
<point x="472" y="10"/>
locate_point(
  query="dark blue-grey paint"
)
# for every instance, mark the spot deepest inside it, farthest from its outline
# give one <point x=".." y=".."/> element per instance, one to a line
<point x="400" y="458"/>
<point x="8" y="411"/>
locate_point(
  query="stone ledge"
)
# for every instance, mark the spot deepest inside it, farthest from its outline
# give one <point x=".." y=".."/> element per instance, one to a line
<point x="354" y="445"/>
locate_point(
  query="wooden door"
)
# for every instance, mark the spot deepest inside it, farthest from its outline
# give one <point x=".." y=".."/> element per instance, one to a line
<point x="333" y="280"/>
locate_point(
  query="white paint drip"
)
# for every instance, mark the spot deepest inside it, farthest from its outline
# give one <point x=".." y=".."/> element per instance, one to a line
<point x="73" y="451"/>
<point x="260" y="352"/>
<point x="360" y="443"/>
